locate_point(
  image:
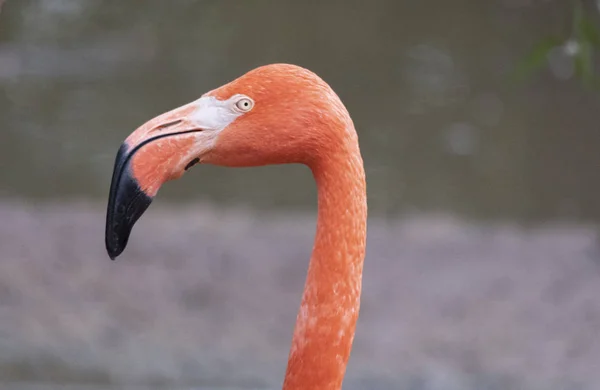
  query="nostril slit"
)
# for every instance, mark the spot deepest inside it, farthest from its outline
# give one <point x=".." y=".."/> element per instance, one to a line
<point x="168" y="124"/>
<point x="192" y="163"/>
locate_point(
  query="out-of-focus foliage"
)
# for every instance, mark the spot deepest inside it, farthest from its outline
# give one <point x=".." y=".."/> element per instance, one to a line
<point x="571" y="55"/>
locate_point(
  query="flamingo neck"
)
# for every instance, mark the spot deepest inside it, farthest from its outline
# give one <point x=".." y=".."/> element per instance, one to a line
<point x="326" y="321"/>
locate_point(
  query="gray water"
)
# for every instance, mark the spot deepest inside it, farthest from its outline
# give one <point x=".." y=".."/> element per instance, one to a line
<point x="441" y="128"/>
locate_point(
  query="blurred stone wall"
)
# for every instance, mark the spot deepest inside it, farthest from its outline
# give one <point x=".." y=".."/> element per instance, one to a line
<point x="208" y="298"/>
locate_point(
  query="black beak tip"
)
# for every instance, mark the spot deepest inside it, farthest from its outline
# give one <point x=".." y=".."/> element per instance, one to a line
<point x="126" y="204"/>
<point x="114" y="246"/>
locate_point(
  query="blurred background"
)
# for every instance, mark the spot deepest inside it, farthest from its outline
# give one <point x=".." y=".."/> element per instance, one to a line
<point x="478" y="127"/>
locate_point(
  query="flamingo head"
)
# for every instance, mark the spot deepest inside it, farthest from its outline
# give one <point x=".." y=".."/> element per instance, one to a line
<point x="274" y="114"/>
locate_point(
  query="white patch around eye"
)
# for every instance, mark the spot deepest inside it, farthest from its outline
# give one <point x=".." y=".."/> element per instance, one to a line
<point x="214" y="114"/>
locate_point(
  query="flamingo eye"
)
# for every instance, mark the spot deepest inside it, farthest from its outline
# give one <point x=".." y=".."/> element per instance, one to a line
<point x="244" y="104"/>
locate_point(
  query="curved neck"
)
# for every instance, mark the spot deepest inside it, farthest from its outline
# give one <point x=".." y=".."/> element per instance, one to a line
<point x="330" y="303"/>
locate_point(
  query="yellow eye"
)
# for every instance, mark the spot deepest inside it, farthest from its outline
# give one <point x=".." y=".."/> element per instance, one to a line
<point x="244" y="104"/>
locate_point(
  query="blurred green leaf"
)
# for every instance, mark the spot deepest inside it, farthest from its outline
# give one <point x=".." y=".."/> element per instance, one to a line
<point x="583" y="62"/>
<point x="577" y="13"/>
<point x="535" y="60"/>
<point x="584" y="66"/>
<point x="587" y="31"/>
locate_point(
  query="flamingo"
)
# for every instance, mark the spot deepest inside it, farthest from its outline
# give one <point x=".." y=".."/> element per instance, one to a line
<point x="273" y="114"/>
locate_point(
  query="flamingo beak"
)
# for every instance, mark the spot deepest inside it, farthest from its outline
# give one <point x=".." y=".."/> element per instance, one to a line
<point x="158" y="151"/>
<point x="126" y="204"/>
